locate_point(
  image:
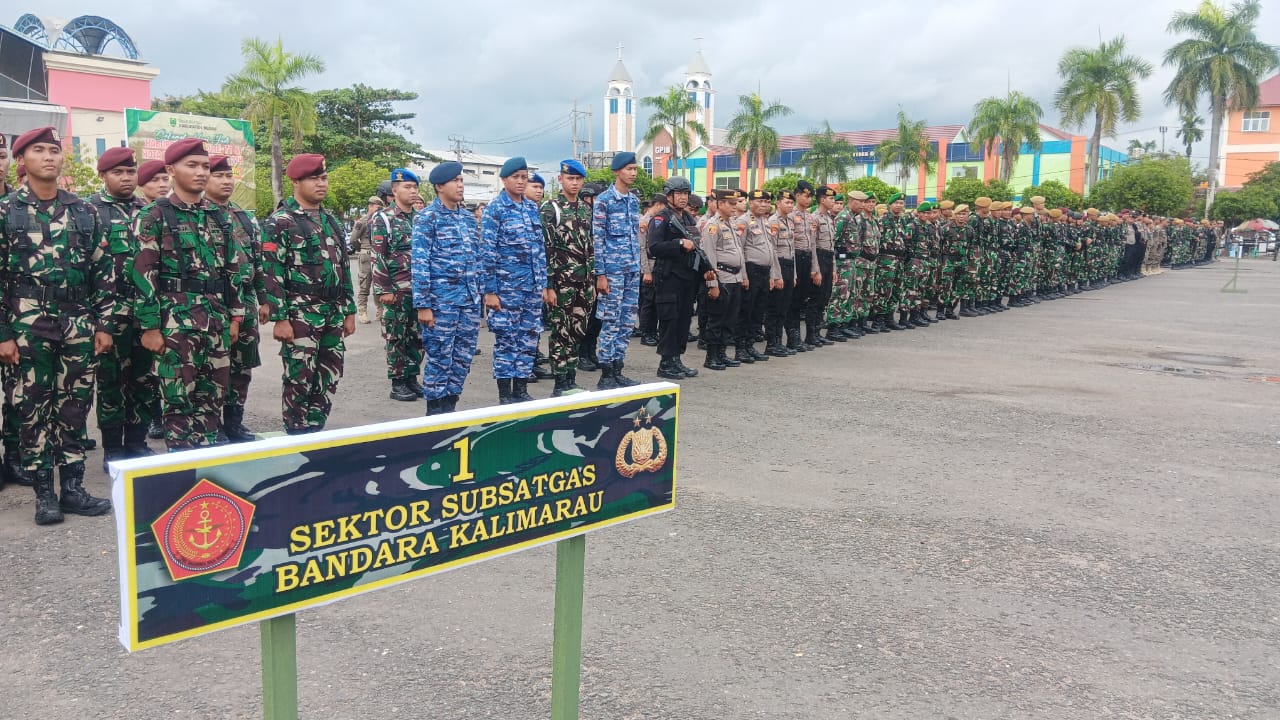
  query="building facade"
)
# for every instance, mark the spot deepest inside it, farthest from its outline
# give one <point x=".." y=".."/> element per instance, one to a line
<point x="1252" y="137"/>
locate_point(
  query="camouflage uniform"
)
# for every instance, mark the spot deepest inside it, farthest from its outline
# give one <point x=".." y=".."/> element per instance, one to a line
<point x="615" y="229"/>
<point x="391" y="239"/>
<point x="920" y="267"/>
<point x="245" y="353"/>
<point x="566" y="231"/>
<point x="894" y="291"/>
<point x="446" y="272"/>
<point x="954" y="270"/>
<point x="514" y="267"/>
<point x="840" y="311"/>
<point x="187" y="273"/>
<point x="308" y="283"/>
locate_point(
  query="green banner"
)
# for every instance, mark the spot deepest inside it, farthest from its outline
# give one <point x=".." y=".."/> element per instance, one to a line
<point x="214" y="538"/>
<point x="150" y="132"/>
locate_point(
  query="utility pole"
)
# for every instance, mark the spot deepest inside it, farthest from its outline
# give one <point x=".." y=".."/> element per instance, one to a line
<point x="1163" y="129"/>
<point x="581" y="147"/>
<point x="575" y="130"/>
<point x="459" y="145"/>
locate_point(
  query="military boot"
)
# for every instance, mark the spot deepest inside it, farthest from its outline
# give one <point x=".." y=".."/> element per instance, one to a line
<point x="852" y="330"/>
<point x="562" y="385"/>
<point x="619" y="378"/>
<point x="759" y="356"/>
<point x="713" y="358"/>
<point x="775" y="348"/>
<point x="835" y="334"/>
<point x="607" y="380"/>
<point x="233" y="424"/>
<point x="793" y="340"/>
<point x="574" y="387"/>
<point x="13" y="469"/>
<point x="678" y="363"/>
<point x="112" y="445"/>
<point x="400" y="391"/>
<point x="813" y="338"/>
<point x="47" y="510"/>
<point x="155" y="431"/>
<point x="75" y="499"/>
<point x="414" y="386"/>
<point x="135" y="441"/>
<point x="966" y="309"/>
<point x="667" y="369"/>
<point x="540" y="373"/>
<point x="504" y="391"/>
<point x="742" y="355"/>
<point x="434" y="407"/>
<point x="520" y="390"/>
<point x="725" y="359"/>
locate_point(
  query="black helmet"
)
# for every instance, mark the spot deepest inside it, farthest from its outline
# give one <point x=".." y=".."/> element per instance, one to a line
<point x="384" y="189"/>
<point x="677" y="184"/>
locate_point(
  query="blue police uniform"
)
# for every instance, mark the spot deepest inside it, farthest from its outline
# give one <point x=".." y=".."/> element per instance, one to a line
<point x="616" y="234"/>
<point x="446" y="280"/>
<point x="514" y="262"/>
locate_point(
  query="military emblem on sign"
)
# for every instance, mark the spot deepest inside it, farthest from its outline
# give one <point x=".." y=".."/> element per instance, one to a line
<point x="204" y="531"/>
<point x="643" y="449"/>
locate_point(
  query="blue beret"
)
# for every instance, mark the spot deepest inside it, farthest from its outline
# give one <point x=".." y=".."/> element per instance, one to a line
<point x="572" y="167"/>
<point x="513" y="166"/>
<point x="402" y="175"/>
<point x="444" y="172"/>
<point x="622" y="160"/>
<point x="536" y="179"/>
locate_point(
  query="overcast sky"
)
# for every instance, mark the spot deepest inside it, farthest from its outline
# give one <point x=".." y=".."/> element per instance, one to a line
<point x="490" y="70"/>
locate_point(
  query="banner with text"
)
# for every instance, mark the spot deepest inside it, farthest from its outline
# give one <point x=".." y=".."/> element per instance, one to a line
<point x="150" y="132"/>
<point x="215" y="538"/>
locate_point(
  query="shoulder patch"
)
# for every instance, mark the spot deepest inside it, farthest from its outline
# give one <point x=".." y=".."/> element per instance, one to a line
<point x="270" y="247"/>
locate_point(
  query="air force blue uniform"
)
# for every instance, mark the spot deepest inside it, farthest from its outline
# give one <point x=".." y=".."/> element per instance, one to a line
<point x="616" y="233"/>
<point x="446" y="279"/>
<point x="514" y="261"/>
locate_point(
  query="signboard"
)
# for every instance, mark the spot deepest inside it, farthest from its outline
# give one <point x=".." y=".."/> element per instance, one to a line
<point x="150" y="132"/>
<point x="221" y="537"/>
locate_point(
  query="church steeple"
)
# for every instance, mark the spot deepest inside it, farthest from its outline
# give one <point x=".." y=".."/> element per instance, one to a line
<point x="697" y="82"/>
<point x="619" y="110"/>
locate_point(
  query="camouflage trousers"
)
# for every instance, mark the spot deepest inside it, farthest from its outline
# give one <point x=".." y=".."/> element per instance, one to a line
<point x="864" y="287"/>
<point x="403" y="338"/>
<point x="312" y="365"/>
<point x="245" y="356"/>
<point x="953" y="273"/>
<point x="911" y="278"/>
<point x="927" y="282"/>
<point x="194" y="368"/>
<point x="567" y="322"/>
<point x="8" y="414"/>
<point x="1019" y="273"/>
<point x="988" y="273"/>
<point x="888" y="286"/>
<point x="516" y="329"/>
<point x="50" y="391"/>
<point x="126" y="387"/>
<point x="450" y="345"/>
<point x="1050" y="270"/>
<point x="840" y="309"/>
<point x="617" y="313"/>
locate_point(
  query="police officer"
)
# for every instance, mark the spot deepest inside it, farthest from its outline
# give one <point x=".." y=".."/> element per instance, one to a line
<point x="188" y="304"/>
<point x="763" y="272"/>
<point x="126" y="390"/>
<point x="514" y="281"/>
<point x="673" y="243"/>
<point x="566" y="230"/>
<point x="783" y="236"/>
<point x="245" y="355"/>
<point x="723" y="249"/>
<point x="56" y="305"/>
<point x="446" y="288"/>
<point x="390" y="240"/>
<point x="615" y="231"/>
<point x="308" y="282"/>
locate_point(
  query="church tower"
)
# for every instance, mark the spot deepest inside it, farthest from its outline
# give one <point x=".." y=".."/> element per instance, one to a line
<point x="697" y="82"/>
<point x="619" y="110"/>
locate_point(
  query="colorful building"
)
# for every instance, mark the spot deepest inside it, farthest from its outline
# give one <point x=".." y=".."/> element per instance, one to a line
<point x="1251" y="139"/>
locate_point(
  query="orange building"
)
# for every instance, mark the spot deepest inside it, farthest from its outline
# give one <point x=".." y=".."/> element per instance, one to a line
<point x="1253" y="137"/>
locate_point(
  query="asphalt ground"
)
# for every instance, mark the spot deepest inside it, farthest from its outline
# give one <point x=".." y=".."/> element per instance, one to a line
<point x="1064" y="511"/>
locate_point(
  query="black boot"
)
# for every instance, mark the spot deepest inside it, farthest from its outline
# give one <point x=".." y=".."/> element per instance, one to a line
<point x="853" y="330"/>
<point x="713" y="359"/>
<point x="619" y="378"/>
<point x="562" y="385"/>
<point x="966" y="309"/>
<point x="741" y="355"/>
<point x="588" y="363"/>
<point x="649" y="339"/>
<point x="112" y="445"/>
<point x="607" y="381"/>
<point x="520" y="390"/>
<point x="233" y="424"/>
<point x="400" y="391"/>
<point x="678" y="363"/>
<point x="156" y="430"/>
<point x="47" y="510"/>
<point x="898" y="323"/>
<point x="835" y="335"/>
<point x="759" y="356"/>
<point x="574" y="387"/>
<point x="814" y="338"/>
<point x="775" y="348"/>
<point x="135" y="441"/>
<point x="433" y="407"/>
<point x="504" y="391"/>
<point x="414" y="385"/>
<point x="793" y="340"/>
<point x="667" y="369"/>
<point x="725" y="359"/>
<point x="924" y="315"/>
<point x="541" y="373"/>
<point x="75" y="499"/>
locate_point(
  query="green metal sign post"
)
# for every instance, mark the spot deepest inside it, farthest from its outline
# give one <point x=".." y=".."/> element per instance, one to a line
<point x="280" y="668"/>
<point x="566" y="644"/>
<point x="1231" y="286"/>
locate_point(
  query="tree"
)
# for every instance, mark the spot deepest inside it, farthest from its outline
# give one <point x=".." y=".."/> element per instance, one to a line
<point x="1234" y="208"/>
<point x="646" y="185"/>
<point x="964" y="190"/>
<point x="671" y="113"/>
<point x="1191" y="129"/>
<point x="908" y="150"/>
<point x="751" y="133"/>
<point x="829" y="156"/>
<point x="360" y="122"/>
<point x="350" y="186"/>
<point x="1137" y="148"/>
<point x="1101" y="83"/>
<point x="786" y="182"/>
<point x="81" y="177"/>
<point x="870" y="184"/>
<point x="265" y="84"/>
<point x="998" y="189"/>
<point x="1157" y="185"/>
<point x="1223" y="59"/>
<point x="1006" y="123"/>
<point x="215" y="104"/>
<point x="1055" y="194"/>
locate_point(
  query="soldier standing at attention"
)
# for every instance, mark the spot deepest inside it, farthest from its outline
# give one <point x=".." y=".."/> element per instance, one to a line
<point x="514" y="281"/>
<point x="804" y="228"/>
<point x="188" y="300"/>
<point x="153" y="180"/>
<point x="358" y="245"/>
<point x="446" y="288"/>
<point x="57" y="299"/>
<point x="724" y="294"/>
<point x="672" y="237"/>
<point x="245" y="355"/>
<point x="615" y="230"/>
<point x="126" y="391"/>
<point x="535" y="189"/>
<point x="390" y="241"/>
<point x="764" y="275"/>
<point x="897" y="234"/>
<point x="866" y="281"/>
<point x="566" y="230"/>
<point x="783" y="236"/>
<point x="308" y="281"/>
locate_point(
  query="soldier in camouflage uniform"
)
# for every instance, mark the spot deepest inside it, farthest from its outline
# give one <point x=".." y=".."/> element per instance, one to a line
<point x="188" y="301"/>
<point x="308" y="282"/>
<point x="446" y="288"/>
<point x="57" y="297"/>
<point x="390" y="240"/>
<point x="10" y="472"/>
<point x="245" y="355"/>
<point x="921" y="264"/>
<point x="566" y="230"/>
<point x="615" y="231"/>
<point x="956" y="271"/>
<point x="126" y="390"/>
<point x="153" y="182"/>
<point x="844" y="291"/>
<point x="897" y="234"/>
<point x="865" y="266"/>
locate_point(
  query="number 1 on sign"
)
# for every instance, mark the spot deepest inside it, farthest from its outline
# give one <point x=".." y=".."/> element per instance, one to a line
<point x="464" y="461"/>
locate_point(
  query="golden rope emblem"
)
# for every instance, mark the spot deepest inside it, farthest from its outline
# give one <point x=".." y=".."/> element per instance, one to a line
<point x="641" y="441"/>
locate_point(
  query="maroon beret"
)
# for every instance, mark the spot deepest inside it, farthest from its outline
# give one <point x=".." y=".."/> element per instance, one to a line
<point x="31" y="137"/>
<point x="185" y="147"/>
<point x="219" y="163"/>
<point x="115" y="157"/>
<point x="304" y="166"/>
<point x="148" y="171"/>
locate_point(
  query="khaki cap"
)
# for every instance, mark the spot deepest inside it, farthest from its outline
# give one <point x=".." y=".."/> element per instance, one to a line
<point x="960" y="208"/>
<point x="983" y="202"/>
<point x="1037" y="200"/>
<point x="1027" y="210"/>
<point x="857" y="195"/>
<point x="946" y="205"/>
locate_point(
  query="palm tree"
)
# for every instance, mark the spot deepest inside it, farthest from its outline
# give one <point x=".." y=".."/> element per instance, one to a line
<point x="265" y="83"/>
<point x="1009" y="122"/>
<point x="1191" y="130"/>
<point x="910" y="149"/>
<point x="1101" y="82"/>
<point x="1223" y="59"/>
<point x="1135" y="147"/>
<point x="829" y="156"/>
<point x="750" y="132"/>
<point x="671" y="112"/>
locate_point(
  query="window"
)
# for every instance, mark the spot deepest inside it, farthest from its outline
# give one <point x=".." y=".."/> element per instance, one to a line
<point x="101" y="146"/>
<point x="613" y="106"/>
<point x="707" y="100"/>
<point x="486" y="172"/>
<point x="694" y="97"/>
<point x="727" y="182"/>
<point x="628" y="106"/>
<point x="1256" y="121"/>
<point x="964" y="172"/>
<point x="648" y="164"/>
